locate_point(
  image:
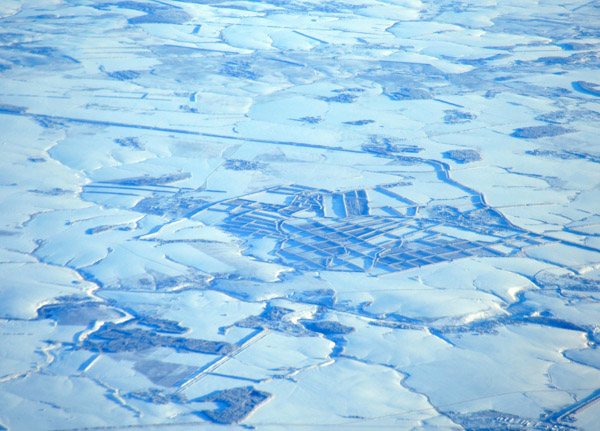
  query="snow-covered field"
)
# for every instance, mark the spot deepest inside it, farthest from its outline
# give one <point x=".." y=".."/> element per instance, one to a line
<point x="282" y="215"/>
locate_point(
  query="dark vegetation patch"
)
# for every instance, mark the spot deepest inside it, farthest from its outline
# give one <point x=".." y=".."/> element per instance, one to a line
<point x="340" y="98"/>
<point x="71" y="312"/>
<point x="152" y="181"/>
<point x="310" y="120"/>
<point x="243" y="165"/>
<point x="49" y="123"/>
<point x="238" y="404"/>
<point x="106" y="228"/>
<point x="463" y="156"/>
<point x="162" y="325"/>
<point x="271" y="318"/>
<point x="156" y="396"/>
<point x="565" y="155"/>
<point x="327" y="327"/>
<point x="12" y="109"/>
<point x="113" y="338"/>
<point x="359" y="122"/>
<point x="409" y="93"/>
<point x="178" y="205"/>
<point x="537" y="132"/>
<point x="123" y="75"/>
<point x="458" y="117"/>
<point x="240" y="69"/>
<point x="55" y="191"/>
<point x="385" y="147"/>
<point x="566" y="116"/>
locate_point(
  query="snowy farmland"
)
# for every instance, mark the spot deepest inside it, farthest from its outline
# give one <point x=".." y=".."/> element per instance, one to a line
<point x="290" y="215"/>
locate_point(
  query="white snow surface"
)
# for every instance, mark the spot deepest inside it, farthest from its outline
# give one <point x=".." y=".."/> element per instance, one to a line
<point x="356" y="214"/>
